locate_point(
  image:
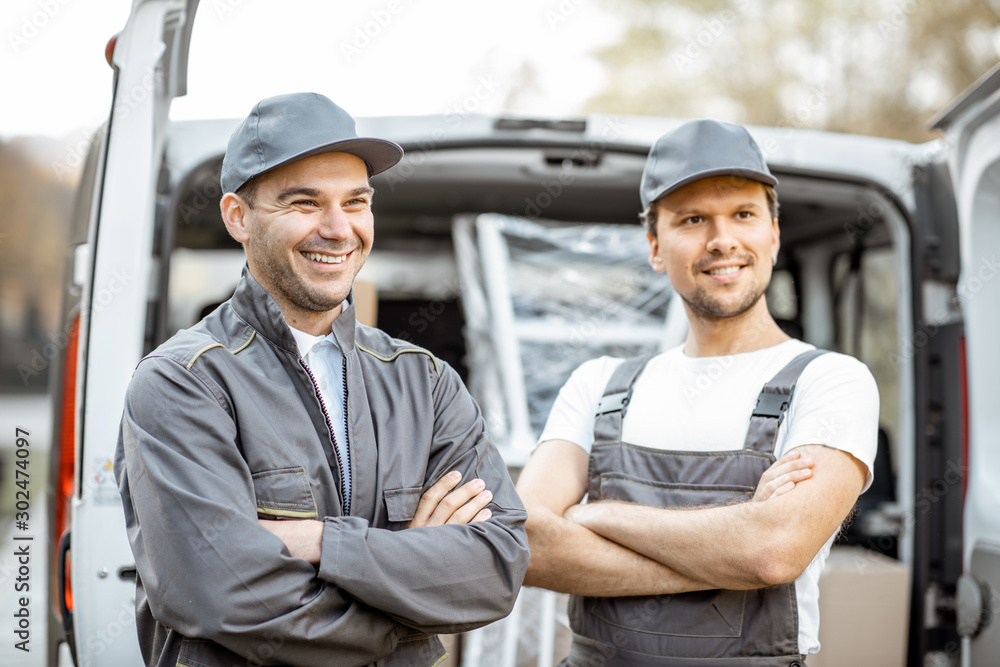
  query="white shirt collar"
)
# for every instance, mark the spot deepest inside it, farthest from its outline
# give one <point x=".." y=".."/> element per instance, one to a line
<point x="306" y="341"/>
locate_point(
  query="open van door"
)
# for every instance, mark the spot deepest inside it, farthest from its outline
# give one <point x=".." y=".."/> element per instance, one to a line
<point x="150" y="62"/>
<point x="972" y="128"/>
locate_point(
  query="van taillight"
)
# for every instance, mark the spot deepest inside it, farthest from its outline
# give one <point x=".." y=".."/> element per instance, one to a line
<point x="109" y="50"/>
<point x="64" y="482"/>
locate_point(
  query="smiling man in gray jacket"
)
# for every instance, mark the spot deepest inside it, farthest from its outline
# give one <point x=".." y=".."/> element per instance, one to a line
<point x="301" y="489"/>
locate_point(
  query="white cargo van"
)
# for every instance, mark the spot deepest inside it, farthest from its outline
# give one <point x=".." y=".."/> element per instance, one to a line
<point x="501" y="243"/>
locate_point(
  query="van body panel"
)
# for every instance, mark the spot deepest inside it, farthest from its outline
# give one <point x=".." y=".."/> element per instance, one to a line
<point x="973" y="130"/>
<point x="79" y="270"/>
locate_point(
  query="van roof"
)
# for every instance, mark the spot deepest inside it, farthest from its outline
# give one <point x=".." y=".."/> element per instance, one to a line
<point x="879" y="160"/>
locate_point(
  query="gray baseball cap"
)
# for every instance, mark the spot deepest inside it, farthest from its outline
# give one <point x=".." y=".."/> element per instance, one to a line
<point x="701" y="149"/>
<point x="290" y="127"/>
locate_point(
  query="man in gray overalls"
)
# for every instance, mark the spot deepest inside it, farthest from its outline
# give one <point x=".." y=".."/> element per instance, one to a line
<point x="674" y="566"/>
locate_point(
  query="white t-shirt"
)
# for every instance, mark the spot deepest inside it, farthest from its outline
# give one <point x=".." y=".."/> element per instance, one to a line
<point x="705" y="403"/>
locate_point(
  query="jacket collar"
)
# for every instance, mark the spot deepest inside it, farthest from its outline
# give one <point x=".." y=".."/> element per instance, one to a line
<point x="256" y="307"/>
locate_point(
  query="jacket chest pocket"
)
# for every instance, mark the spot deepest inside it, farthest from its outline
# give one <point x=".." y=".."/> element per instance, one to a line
<point x="401" y="504"/>
<point x="284" y="492"/>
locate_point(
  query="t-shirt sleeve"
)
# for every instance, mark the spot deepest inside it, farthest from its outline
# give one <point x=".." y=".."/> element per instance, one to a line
<point x="572" y="414"/>
<point x="835" y="404"/>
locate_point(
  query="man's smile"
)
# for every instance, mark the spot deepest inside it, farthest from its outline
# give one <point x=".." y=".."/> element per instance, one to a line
<point x="326" y="258"/>
<point x="724" y="271"/>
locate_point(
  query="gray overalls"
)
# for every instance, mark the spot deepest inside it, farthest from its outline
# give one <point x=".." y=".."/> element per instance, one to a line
<point x="756" y="628"/>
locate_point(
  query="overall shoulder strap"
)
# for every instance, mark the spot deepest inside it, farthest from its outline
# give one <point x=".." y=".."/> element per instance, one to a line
<point x="614" y="402"/>
<point x="773" y="402"/>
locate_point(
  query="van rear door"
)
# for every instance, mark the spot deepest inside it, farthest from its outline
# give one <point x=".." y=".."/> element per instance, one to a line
<point x="972" y="128"/>
<point x="150" y="61"/>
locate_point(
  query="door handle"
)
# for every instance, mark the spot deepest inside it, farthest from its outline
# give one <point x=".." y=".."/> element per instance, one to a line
<point x="974" y="610"/>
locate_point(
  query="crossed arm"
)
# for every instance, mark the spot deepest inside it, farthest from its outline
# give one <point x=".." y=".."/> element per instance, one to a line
<point x="460" y="563"/>
<point x="441" y="504"/>
<point x="616" y="549"/>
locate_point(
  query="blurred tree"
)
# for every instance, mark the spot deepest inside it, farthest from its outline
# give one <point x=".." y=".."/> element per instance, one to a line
<point x="34" y="214"/>
<point x="879" y="68"/>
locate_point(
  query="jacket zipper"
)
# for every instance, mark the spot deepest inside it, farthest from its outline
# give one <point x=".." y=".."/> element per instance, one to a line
<point x="343" y="377"/>
<point x="344" y="500"/>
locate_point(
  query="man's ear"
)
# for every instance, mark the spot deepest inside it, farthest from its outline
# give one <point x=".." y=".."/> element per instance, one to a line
<point x="655" y="260"/>
<point x="775" y="240"/>
<point x="236" y="214"/>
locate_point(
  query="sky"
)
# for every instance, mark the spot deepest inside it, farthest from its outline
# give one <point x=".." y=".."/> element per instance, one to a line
<point x="387" y="57"/>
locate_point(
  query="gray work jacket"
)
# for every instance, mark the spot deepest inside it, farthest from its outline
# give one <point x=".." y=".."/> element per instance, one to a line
<point x="222" y="426"/>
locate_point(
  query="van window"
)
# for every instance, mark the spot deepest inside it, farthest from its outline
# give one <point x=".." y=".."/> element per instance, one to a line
<point x="867" y="324"/>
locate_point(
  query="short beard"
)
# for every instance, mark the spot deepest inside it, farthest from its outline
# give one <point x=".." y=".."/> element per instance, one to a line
<point x="286" y="282"/>
<point x="711" y="309"/>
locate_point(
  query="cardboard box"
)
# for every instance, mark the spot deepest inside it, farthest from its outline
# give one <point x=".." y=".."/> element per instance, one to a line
<point x="864" y="607"/>
<point x="366" y="303"/>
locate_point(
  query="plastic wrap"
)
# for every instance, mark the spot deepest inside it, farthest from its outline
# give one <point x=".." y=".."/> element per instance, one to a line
<point x="576" y="291"/>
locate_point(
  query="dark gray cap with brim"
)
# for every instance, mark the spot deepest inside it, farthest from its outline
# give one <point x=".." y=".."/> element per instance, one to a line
<point x="701" y="149"/>
<point x="286" y="128"/>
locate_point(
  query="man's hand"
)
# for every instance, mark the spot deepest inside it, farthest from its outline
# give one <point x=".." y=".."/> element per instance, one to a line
<point x="440" y="504"/>
<point x="783" y="475"/>
<point x="580" y="513"/>
<point x="443" y="503"/>
<point x="302" y="537"/>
